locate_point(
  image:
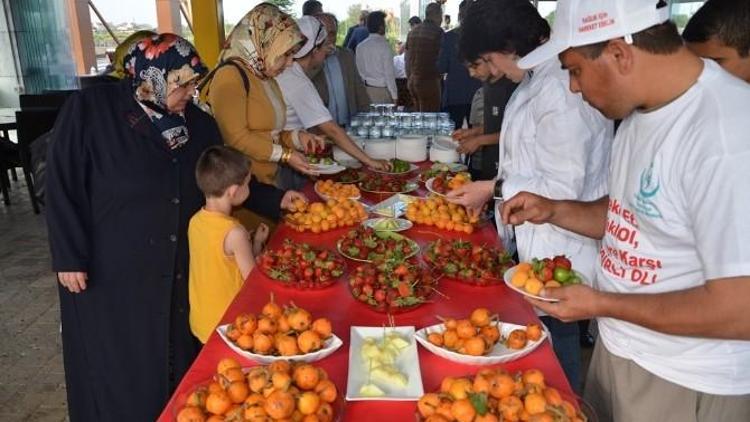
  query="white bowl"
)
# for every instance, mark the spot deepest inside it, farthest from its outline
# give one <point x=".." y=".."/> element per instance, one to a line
<point x="498" y="354"/>
<point x="329" y="346"/>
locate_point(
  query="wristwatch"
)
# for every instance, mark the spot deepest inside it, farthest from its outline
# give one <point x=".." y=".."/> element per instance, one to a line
<point x="498" y="191"/>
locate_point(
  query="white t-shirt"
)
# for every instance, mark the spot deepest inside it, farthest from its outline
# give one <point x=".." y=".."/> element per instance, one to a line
<point x="304" y="108"/>
<point x="553" y="144"/>
<point x="679" y="214"/>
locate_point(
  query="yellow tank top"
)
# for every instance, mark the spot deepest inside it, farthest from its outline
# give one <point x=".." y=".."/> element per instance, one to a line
<point x="214" y="277"/>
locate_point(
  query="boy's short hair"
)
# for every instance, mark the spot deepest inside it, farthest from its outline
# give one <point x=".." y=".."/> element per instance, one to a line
<point x="503" y="26"/>
<point x="727" y="20"/>
<point x="220" y="167"/>
<point x="375" y="20"/>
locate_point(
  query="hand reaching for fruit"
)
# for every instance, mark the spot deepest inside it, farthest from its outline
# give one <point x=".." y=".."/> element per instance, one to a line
<point x="575" y="302"/>
<point x="472" y="195"/>
<point x="311" y="143"/>
<point x="293" y="200"/>
<point x="259" y="238"/>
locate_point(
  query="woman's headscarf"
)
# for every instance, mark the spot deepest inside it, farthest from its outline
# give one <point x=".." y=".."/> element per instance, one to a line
<point x="158" y="65"/>
<point x="262" y="36"/>
<point x="117" y="68"/>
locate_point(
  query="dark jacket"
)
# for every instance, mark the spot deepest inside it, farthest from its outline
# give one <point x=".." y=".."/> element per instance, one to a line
<point x="118" y="207"/>
<point x="459" y="87"/>
<point x="422" y="49"/>
<point x="356" y="93"/>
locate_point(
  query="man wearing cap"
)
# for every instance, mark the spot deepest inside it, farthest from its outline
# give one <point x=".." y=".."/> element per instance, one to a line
<point x="304" y="108"/>
<point x="674" y="268"/>
<point x="551" y="143"/>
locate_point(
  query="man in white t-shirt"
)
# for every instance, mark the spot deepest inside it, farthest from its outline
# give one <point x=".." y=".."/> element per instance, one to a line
<point x="304" y="107"/>
<point x="674" y="268"/>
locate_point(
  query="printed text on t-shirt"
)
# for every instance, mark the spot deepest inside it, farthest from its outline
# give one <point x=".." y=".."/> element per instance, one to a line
<point x="622" y="263"/>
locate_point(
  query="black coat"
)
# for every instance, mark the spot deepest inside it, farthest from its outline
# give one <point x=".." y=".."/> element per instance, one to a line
<point x="119" y="203"/>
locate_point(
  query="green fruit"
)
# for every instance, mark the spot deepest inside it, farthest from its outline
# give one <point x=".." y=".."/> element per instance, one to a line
<point x="561" y="275"/>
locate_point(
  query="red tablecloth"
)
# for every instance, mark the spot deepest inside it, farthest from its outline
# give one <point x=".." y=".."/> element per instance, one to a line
<point x="337" y="304"/>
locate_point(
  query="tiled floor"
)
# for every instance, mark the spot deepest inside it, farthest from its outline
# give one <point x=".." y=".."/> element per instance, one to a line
<point x="32" y="385"/>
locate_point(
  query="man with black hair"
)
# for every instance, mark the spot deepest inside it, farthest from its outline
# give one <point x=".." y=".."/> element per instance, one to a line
<point x="551" y="143"/>
<point x="414" y="21"/>
<point x="673" y="276"/>
<point x="720" y="31"/>
<point x="312" y="8"/>
<point x="422" y="50"/>
<point x="357" y="34"/>
<point x="375" y="62"/>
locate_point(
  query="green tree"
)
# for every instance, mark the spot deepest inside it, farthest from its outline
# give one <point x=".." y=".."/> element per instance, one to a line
<point x="352" y="19"/>
<point x="285" y="5"/>
<point x="681" y="21"/>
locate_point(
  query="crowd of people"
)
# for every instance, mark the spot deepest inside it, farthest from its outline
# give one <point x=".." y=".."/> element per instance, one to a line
<point x="609" y="137"/>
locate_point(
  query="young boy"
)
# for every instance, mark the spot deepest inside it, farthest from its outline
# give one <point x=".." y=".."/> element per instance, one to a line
<point x="221" y="254"/>
<point x="719" y="31"/>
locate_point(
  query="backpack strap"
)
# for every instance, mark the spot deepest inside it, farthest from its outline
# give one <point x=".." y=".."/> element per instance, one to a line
<point x="230" y="62"/>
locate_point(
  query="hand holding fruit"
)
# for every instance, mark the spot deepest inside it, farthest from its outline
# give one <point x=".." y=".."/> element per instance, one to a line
<point x="381" y="165"/>
<point x="576" y="302"/>
<point x="472" y="195"/>
<point x="298" y="162"/>
<point x="292" y="200"/>
<point x="528" y="207"/>
<point x="311" y="143"/>
<point x="469" y="145"/>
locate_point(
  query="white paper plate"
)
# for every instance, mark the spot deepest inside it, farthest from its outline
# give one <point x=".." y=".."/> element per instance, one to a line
<point x="326" y="197"/>
<point x="509" y="275"/>
<point x="328" y="168"/>
<point x="330" y="346"/>
<point x="403" y="224"/>
<point x="498" y="354"/>
<point x="394" y="207"/>
<point x="407" y="362"/>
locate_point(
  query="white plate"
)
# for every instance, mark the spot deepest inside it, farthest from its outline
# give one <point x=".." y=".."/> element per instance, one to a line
<point x="328" y="168"/>
<point x="329" y="346"/>
<point x="403" y="224"/>
<point x="407" y="362"/>
<point x="498" y="354"/>
<point x="509" y="275"/>
<point x="394" y="207"/>
<point x="326" y="197"/>
<point x="428" y="185"/>
<point x="452" y="167"/>
<point x="412" y="167"/>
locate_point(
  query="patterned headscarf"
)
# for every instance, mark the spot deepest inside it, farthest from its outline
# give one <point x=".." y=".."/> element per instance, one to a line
<point x="262" y="36"/>
<point x="158" y="65"/>
<point x="118" y="58"/>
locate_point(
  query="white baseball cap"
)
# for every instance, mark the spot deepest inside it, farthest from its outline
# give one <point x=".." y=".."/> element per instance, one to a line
<point x="315" y="33"/>
<point x="584" y="22"/>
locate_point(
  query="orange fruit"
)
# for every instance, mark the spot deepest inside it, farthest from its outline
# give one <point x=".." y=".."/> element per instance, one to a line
<point x="191" y="414"/>
<point x="238" y="391"/>
<point x="534" y="403"/>
<point x="279" y="404"/>
<point x="463" y="410"/>
<point x="533" y="376"/>
<point x="428" y="404"/>
<point x="326" y="389"/>
<point x="218" y="403"/>
<point x="225" y="364"/>
<point x="306" y="376"/>
<point x="308" y="403"/>
<point x="501" y="386"/>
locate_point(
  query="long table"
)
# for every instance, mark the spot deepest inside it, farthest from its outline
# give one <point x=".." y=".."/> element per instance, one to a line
<point x="337" y="304"/>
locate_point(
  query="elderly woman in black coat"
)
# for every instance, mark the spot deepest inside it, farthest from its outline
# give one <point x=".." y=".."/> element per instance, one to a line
<point x="121" y="190"/>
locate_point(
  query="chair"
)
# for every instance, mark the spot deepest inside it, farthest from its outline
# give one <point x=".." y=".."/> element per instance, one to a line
<point x="32" y="124"/>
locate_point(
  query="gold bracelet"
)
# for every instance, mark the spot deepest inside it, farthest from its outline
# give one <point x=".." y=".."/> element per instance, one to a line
<point x="286" y="155"/>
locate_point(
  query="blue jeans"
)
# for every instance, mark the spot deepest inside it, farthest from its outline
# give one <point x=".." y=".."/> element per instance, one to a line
<point x="566" y="343"/>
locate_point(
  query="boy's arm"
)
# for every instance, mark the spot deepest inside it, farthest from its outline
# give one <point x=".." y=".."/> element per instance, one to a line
<point x="237" y="244"/>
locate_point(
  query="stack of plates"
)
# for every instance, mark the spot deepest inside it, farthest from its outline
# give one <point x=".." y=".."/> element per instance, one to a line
<point x="341" y="156"/>
<point x="444" y="150"/>
<point x="412" y="148"/>
<point x="381" y="149"/>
